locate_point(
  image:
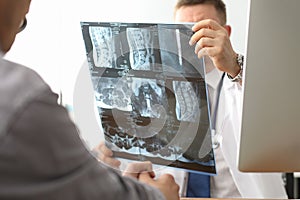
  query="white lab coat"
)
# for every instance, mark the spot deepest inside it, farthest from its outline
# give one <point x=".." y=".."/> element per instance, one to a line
<point x="250" y="185"/>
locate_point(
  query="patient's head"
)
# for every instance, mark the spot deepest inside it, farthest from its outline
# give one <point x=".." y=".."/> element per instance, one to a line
<point x="12" y="19"/>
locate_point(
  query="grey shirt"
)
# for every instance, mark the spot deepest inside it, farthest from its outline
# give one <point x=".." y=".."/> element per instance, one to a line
<point x="41" y="153"/>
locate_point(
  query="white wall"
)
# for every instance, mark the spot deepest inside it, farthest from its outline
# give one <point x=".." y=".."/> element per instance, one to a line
<point x="38" y="45"/>
<point x="237" y="11"/>
<point x="52" y="43"/>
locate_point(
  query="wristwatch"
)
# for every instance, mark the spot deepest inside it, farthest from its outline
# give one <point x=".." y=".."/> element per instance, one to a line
<point x="240" y="62"/>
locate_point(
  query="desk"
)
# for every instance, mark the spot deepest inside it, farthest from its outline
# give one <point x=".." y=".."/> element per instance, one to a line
<point x="196" y="198"/>
<point x="218" y="199"/>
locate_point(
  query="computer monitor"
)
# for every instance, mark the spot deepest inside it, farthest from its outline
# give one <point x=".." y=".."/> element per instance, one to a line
<point x="270" y="128"/>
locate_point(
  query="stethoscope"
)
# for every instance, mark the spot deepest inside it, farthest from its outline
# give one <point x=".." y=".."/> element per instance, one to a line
<point x="216" y="137"/>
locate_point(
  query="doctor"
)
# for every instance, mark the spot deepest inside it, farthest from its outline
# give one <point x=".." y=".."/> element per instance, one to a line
<point x="41" y="153"/>
<point x="212" y="39"/>
<point x="224" y="79"/>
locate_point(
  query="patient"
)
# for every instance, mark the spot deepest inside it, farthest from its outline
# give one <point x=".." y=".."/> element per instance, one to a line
<point x="41" y="153"/>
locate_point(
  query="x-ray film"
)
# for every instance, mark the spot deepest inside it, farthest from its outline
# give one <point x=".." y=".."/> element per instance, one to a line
<point x="150" y="93"/>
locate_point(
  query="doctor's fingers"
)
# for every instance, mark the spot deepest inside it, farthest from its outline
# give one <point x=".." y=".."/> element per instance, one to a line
<point x="202" y="33"/>
<point x="217" y="38"/>
<point x="212" y="52"/>
<point x="207" y="23"/>
<point x="204" y="42"/>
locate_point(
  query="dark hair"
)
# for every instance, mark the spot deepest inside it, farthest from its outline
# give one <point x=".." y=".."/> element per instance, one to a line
<point x="218" y="4"/>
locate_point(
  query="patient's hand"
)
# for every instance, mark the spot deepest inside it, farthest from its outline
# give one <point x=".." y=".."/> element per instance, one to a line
<point x="104" y="154"/>
<point x="141" y="171"/>
<point x="134" y="169"/>
<point x="165" y="183"/>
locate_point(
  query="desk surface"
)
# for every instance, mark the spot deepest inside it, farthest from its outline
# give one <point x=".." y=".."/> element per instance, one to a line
<point x="183" y="198"/>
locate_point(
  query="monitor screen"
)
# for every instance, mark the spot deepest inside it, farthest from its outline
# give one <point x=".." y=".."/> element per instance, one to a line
<point x="270" y="128"/>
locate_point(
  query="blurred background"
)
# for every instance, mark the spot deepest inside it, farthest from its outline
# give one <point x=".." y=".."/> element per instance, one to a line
<point x="52" y="42"/>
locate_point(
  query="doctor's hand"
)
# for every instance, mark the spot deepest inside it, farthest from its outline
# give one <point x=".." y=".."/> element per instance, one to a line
<point x="104" y="154"/>
<point x="212" y="39"/>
